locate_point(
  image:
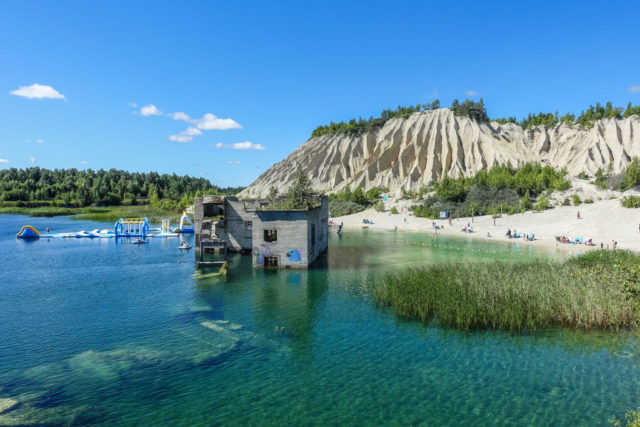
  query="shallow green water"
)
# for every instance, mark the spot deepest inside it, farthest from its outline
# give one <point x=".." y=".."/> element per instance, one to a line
<point x="98" y="332"/>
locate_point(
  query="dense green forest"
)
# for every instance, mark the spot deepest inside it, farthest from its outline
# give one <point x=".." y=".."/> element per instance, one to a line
<point x="72" y="187"/>
<point x="501" y="188"/>
<point x="478" y="112"/>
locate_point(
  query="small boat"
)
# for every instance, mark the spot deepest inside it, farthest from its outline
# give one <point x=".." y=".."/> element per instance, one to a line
<point x="185" y="246"/>
<point x="139" y="242"/>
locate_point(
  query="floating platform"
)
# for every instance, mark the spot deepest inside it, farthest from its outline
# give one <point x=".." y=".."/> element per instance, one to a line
<point x="28" y="232"/>
<point x="131" y="227"/>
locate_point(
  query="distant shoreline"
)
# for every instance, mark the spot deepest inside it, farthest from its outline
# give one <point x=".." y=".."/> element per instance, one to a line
<point x="603" y="221"/>
<point x="98" y="213"/>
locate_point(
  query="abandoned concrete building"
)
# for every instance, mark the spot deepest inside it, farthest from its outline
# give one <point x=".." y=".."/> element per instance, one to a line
<point x="276" y="237"/>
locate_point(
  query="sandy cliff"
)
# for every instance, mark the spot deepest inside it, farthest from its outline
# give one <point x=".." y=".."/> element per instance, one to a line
<point x="409" y="152"/>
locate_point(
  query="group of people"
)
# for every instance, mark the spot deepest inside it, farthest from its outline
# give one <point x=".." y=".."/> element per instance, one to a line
<point x="516" y="235"/>
<point x="367" y="221"/>
<point x="586" y="242"/>
<point x="467" y="228"/>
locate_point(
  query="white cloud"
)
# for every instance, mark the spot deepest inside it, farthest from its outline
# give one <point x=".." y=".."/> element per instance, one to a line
<point x="211" y="122"/>
<point x="37" y="141"/>
<point x="83" y="162"/>
<point x="634" y="89"/>
<point x="36" y="91"/>
<point x="32" y="159"/>
<point x="181" y="116"/>
<point x="234" y="162"/>
<point x="150" y="110"/>
<point x="240" y="146"/>
<point x="185" y="135"/>
<point x="179" y="137"/>
<point x="207" y="122"/>
<point x="471" y="92"/>
<point x="4" y="161"/>
<point x="132" y="105"/>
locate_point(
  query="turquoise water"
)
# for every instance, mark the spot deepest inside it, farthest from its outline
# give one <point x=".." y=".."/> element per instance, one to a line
<point x="100" y="332"/>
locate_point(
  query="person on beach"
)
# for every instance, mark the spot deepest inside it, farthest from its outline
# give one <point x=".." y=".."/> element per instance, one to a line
<point x="578" y="214"/>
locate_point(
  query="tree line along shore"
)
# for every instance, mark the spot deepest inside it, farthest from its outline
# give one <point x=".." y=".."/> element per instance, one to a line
<point x="101" y="194"/>
<point x="502" y="189"/>
<point x="476" y="110"/>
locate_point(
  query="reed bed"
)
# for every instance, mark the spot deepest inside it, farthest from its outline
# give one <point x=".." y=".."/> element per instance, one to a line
<point x="107" y="213"/>
<point x="112" y="213"/>
<point x="596" y="291"/>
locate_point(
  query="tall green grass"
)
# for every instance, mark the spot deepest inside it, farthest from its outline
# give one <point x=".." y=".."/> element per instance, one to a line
<point x="38" y="211"/>
<point x="110" y="213"/>
<point x="596" y="291"/>
<point x="155" y="214"/>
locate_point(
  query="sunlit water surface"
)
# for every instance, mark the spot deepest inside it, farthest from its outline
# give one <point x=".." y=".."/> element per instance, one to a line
<point x="100" y="332"/>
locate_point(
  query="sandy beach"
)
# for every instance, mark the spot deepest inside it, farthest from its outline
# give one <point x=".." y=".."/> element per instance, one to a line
<point x="604" y="221"/>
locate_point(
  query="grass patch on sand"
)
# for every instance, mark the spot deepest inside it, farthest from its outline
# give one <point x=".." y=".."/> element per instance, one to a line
<point x="598" y="290"/>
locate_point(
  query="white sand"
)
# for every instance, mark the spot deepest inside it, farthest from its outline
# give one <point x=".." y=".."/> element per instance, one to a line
<point x="603" y="221"/>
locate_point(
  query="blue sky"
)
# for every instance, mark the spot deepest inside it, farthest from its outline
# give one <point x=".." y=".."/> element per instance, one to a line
<point x="275" y="70"/>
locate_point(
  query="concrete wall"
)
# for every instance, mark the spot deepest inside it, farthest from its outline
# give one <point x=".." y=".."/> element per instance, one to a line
<point x="238" y="236"/>
<point x="291" y="245"/>
<point x="320" y="218"/>
<point x="198" y="215"/>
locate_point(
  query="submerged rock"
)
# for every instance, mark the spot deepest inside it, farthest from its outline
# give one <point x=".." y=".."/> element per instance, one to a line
<point x="109" y="365"/>
<point x="7" y="404"/>
<point x="26" y="415"/>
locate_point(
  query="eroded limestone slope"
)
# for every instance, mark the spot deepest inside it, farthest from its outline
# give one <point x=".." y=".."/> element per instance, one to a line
<point x="409" y="152"/>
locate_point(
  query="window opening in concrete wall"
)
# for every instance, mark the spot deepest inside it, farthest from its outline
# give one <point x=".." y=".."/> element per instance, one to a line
<point x="271" y="261"/>
<point x="270" y="235"/>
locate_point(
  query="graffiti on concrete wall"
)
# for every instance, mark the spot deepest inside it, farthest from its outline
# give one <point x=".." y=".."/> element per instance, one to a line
<point x="293" y="255"/>
<point x="262" y="252"/>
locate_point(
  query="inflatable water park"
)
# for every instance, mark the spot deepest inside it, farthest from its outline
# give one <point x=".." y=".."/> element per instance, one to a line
<point x="124" y="227"/>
